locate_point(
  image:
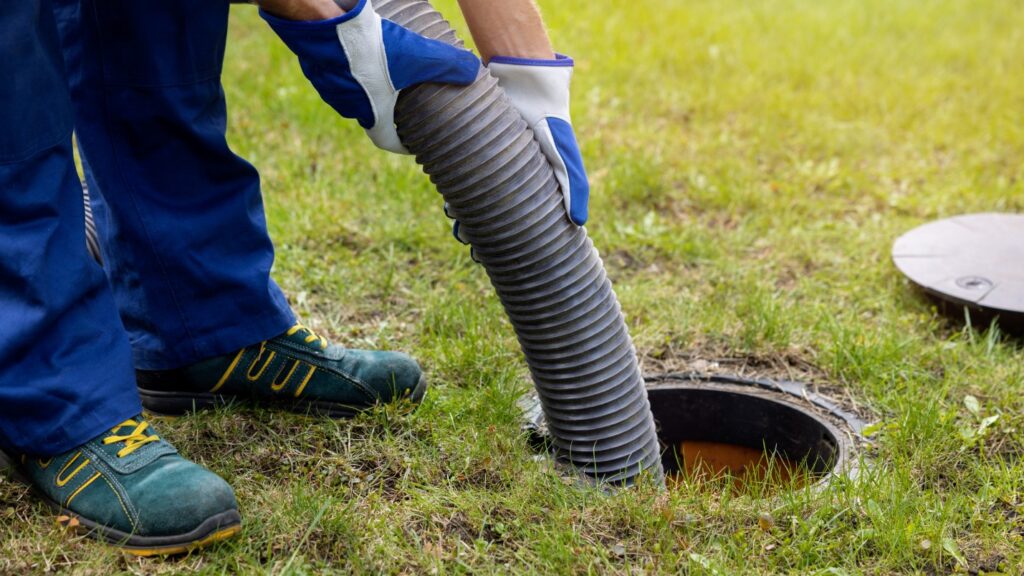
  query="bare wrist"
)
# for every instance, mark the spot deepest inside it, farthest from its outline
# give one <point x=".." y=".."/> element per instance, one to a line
<point x="302" y="10"/>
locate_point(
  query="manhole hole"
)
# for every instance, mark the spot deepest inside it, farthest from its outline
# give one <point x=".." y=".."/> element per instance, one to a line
<point x="750" y="429"/>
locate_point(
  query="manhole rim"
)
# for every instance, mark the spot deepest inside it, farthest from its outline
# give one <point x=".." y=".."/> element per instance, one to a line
<point x="843" y="425"/>
<point x="848" y="442"/>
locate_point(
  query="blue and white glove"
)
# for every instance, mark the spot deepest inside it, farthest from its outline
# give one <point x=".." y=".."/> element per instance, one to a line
<point x="359" y="63"/>
<point x="539" y="89"/>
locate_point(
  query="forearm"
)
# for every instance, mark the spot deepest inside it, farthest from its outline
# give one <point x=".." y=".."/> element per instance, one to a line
<point x="507" y="28"/>
<point x="305" y="9"/>
<point x="499" y="28"/>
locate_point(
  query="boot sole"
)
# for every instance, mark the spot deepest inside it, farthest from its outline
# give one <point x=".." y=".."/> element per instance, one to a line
<point x="164" y="403"/>
<point x="214" y="529"/>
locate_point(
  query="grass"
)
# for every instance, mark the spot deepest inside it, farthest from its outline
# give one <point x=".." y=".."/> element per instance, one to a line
<point x="752" y="163"/>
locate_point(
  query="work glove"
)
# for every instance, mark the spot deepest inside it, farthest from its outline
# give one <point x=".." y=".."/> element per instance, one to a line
<point x="539" y="89"/>
<point x="359" y="63"/>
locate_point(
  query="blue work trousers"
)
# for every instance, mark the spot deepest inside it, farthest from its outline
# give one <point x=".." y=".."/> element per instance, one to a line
<point x="186" y="252"/>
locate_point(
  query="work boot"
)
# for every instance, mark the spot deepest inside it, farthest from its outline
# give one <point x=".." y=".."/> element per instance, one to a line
<point x="298" y="370"/>
<point x="131" y="489"/>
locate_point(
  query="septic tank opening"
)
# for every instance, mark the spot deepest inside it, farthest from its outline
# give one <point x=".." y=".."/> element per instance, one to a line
<point x="745" y="431"/>
<point x="709" y="431"/>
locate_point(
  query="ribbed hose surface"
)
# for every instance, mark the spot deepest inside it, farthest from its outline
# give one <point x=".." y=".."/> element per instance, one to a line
<point x="483" y="159"/>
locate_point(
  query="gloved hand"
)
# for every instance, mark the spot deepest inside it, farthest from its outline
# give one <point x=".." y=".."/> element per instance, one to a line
<point x="359" y="63"/>
<point x="539" y="89"/>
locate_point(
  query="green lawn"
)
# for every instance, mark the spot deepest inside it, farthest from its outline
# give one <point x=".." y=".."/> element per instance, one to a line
<point x="752" y="162"/>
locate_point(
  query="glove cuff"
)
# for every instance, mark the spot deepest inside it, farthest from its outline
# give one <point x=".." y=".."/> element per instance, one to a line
<point x="559" y="61"/>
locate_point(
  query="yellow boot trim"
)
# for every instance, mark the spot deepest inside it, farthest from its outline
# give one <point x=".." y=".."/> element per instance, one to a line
<point x="60" y="480"/>
<point x="280" y="383"/>
<point x="302" y="386"/>
<point x="231" y="368"/>
<point x="256" y="364"/>
<point x="80" y="488"/>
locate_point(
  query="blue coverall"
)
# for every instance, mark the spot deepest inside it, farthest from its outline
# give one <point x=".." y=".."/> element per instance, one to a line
<point x="186" y="251"/>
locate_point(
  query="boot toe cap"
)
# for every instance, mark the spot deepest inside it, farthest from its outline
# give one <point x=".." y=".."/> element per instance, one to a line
<point x="180" y="498"/>
<point x="393" y="376"/>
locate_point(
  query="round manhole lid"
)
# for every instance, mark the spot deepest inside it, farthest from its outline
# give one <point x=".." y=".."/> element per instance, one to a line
<point x="975" y="260"/>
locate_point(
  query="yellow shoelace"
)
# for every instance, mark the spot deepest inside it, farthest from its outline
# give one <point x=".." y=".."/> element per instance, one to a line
<point x="132" y="441"/>
<point x="310" y="335"/>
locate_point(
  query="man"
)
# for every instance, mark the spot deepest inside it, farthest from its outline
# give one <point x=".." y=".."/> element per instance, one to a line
<point x="187" y="315"/>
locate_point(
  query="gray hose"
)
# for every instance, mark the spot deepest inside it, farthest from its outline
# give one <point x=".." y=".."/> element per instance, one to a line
<point x="483" y="159"/>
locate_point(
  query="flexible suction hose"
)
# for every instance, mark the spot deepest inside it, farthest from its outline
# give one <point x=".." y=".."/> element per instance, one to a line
<point x="483" y="159"/>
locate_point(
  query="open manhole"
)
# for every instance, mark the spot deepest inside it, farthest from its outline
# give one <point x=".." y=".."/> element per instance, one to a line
<point x="744" y="430"/>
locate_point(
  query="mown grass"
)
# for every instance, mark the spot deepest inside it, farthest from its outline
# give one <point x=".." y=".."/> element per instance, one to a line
<point x="752" y="163"/>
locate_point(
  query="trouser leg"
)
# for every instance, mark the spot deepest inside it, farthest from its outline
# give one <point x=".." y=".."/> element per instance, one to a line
<point x="65" y="364"/>
<point x="181" y="216"/>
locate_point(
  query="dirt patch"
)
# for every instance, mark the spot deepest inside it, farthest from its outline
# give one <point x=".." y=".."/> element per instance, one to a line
<point x="620" y="263"/>
<point x="791" y="365"/>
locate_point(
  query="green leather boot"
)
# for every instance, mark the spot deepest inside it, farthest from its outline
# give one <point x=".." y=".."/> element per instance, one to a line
<point x="131" y="489"/>
<point x="298" y="371"/>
